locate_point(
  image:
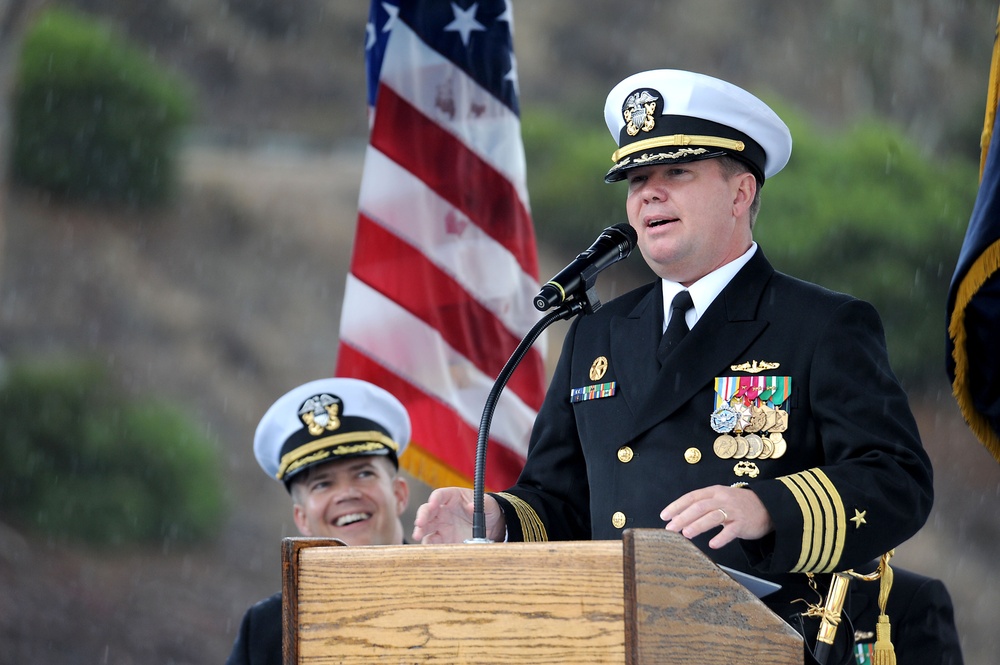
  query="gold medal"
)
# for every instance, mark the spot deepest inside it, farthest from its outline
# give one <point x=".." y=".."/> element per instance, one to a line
<point x="770" y="416"/>
<point x="757" y="419"/>
<point x="779" y="444"/>
<point x="767" y="448"/>
<point x="750" y="419"/>
<point x="742" y="447"/>
<point x="780" y="421"/>
<point x="724" y="446"/>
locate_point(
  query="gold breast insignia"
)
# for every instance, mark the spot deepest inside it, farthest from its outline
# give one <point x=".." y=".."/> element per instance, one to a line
<point x="755" y="366"/>
<point x="598" y="368"/>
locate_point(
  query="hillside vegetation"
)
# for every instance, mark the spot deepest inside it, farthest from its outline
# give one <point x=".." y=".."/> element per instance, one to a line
<point x="230" y="295"/>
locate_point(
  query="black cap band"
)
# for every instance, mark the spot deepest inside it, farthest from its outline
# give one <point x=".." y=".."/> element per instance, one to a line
<point x="689" y="139"/>
<point x="354" y="437"/>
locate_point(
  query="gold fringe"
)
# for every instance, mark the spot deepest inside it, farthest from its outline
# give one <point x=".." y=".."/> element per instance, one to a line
<point x="981" y="269"/>
<point x="992" y="96"/>
<point x="884" y="653"/>
<point x="428" y="469"/>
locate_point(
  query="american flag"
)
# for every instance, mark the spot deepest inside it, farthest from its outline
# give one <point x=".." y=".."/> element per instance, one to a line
<point x="444" y="266"/>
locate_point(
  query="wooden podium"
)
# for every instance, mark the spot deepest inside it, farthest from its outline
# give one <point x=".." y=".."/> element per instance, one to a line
<point x="651" y="598"/>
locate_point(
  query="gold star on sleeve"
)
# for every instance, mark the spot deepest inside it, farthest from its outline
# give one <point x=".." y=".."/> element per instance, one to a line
<point x="859" y="518"/>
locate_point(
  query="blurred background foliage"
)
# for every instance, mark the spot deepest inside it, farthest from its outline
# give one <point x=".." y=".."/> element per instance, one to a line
<point x="94" y="118"/>
<point x="85" y="463"/>
<point x="859" y="210"/>
<point x="231" y="292"/>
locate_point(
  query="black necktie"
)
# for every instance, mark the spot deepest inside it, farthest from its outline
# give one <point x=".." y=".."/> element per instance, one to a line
<point x="677" y="327"/>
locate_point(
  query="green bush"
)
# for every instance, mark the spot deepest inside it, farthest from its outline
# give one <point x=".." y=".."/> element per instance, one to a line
<point x="566" y="165"/>
<point x="93" y="118"/>
<point x="84" y="463"/>
<point x="865" y="213"/>
<point x="860" y="211"/>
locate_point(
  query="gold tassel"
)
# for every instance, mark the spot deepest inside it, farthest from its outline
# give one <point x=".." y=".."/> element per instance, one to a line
<point x="884" y="653"/>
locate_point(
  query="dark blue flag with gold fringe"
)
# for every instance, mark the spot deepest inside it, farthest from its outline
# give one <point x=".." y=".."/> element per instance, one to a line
<point x="973" y="313"/>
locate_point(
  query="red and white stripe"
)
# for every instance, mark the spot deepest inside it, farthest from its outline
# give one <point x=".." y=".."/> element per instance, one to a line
<point x="444" y="266"/>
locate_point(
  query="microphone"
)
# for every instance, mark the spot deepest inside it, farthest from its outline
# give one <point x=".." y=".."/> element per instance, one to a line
<point x="614" y="244"/>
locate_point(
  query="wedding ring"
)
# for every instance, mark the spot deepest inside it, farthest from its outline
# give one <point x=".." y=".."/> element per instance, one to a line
<point x="725" y="517"/>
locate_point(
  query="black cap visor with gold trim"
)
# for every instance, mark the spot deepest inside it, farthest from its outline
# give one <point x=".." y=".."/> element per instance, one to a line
<point x="676" y="139"/>
<point x="355" y="437"/>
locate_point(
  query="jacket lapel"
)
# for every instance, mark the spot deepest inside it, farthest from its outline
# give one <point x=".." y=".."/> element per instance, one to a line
<point x="634" y="340"/>
<point x="724" y="332"/>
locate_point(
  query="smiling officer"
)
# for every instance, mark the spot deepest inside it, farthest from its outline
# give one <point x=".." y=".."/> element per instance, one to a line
<point x="335" y="445"/>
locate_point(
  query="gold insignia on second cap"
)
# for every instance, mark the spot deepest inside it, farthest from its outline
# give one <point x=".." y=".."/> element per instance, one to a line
<point x="598" y="369"/>
<point x="321" y="413"/>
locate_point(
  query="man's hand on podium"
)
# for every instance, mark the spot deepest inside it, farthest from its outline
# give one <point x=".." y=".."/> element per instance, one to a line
<point x="447" y="517"/>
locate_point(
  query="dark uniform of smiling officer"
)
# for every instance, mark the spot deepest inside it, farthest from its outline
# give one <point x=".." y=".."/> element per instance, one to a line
<point x="752" y="412"/>
<point x="335" y="444"/>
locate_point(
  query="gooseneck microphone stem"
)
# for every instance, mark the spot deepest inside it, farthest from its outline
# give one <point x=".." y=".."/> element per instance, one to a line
<point x="565" y="310"/>
<point x="571" y="292"/>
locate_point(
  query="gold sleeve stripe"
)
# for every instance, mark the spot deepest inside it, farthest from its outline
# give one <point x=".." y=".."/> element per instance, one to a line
<point x="816" y="504"/>
<point x="532" y="529"/>
<point x="839" y="536"/>
<point x="807" y="525"/>
<point x="824" y="520"/>
<point x="824" y="538"/>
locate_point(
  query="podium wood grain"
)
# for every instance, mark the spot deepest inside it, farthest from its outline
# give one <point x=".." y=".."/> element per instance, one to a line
<point x="533" y="603"/>
<point x="651" y="598"/>
<point x="682" y="608"/>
